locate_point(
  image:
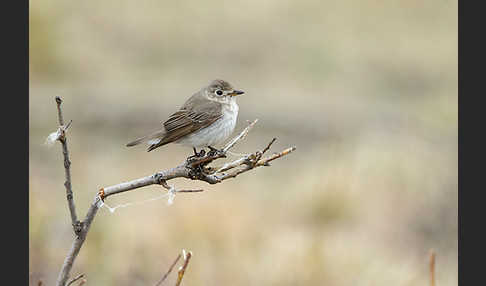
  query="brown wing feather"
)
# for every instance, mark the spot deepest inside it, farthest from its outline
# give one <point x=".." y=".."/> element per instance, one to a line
<point x="198" y="112"/>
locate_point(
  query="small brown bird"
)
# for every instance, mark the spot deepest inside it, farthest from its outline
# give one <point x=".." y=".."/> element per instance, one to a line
<point x="207" y="118"/>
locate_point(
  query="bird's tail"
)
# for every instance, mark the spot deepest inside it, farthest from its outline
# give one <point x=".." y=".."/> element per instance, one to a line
<point x="152" y="138"/>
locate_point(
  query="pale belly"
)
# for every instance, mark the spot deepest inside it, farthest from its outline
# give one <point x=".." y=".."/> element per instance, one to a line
<point x="214" y="134"/>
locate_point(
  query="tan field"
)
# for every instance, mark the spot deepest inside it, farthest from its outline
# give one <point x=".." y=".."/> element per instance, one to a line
<point x="366" y="90"/>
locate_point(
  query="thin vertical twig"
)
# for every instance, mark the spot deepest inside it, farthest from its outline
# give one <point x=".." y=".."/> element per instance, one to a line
<point x="168" y="271"/>
<point x="67" y="169"/>
<point x="182" y="270"/>
<point x="432" y="267"/>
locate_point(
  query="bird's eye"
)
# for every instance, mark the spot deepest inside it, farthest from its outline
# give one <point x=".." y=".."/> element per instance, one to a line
<point x="219" y="92"/>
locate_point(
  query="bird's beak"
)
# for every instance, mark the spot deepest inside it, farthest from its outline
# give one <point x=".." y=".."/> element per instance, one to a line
<point x="236" y="92"/>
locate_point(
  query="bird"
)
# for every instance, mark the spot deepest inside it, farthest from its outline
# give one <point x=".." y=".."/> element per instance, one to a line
<point x="206" y="119"/>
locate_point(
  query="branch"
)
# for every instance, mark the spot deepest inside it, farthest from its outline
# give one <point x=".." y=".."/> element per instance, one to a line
<point x="240" y="136"/>
<point x="182" y="270"/>
<point x="432" y="267"/>
<point x="67" y="167"/>
<point x="75" y="279"/>
<point x="192" y="168"/>
<point x="197" y="169"/>
<point x="77" y="243"/>
<point x="168" y="271"/>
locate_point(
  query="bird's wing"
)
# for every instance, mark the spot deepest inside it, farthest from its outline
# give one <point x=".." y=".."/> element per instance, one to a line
<point x="198" y="112"/>
<point x="191" y="118"/>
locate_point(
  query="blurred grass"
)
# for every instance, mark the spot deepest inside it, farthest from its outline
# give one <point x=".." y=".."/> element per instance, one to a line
<point x="367" y="91"/>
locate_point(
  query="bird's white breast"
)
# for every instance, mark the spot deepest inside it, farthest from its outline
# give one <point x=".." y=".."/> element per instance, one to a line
<point x="217" y="132"/>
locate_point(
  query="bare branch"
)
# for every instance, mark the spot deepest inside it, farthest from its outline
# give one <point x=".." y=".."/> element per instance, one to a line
<point x="75" y="279"/>
<point x="194" y="169"/>
<point x="268" y="146"/>
<point x="432" y="267"/>
<point x="168" y="272"/>
<point x="165" y="185"/>
<point x="189" y="191"/>
<point x="240" y="136"/>
<point x="67" y="168"/>
<point x="197" y="170"/>
<point x="182" y="270"/>
<point x="78" y="242"/>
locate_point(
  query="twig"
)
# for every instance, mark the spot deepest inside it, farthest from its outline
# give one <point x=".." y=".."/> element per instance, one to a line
<point x="185" y="171"/>
<point x="432" y="267"/>
<point x="251" y="164"/>
<point x="165" y="185"/>
<point x="77" y="243"/>
<point x="67" y="169"/>
<point x="196" y="169"/>
<point x="268" y="146"/>
<point x="248" y="159"/>
<point x="240" y="136"/>
<point x="168" y="272"/>
<point x="182" y="270"/>
<point x="75" y="279"/>
<point x="189" y="191"/>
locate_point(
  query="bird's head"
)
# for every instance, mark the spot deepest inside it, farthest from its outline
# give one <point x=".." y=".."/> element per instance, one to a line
<point x="221" y="90"/>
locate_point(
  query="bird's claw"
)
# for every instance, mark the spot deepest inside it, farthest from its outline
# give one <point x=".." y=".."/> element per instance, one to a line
<point x="196" y="155"/>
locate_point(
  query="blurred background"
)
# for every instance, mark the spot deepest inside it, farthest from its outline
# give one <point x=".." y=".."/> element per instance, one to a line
<point x="366" y="90"/>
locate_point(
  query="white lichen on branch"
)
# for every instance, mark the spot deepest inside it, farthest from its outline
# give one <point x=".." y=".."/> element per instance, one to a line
<point x="53" y="137"/>
<point x="59" y="134"/>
